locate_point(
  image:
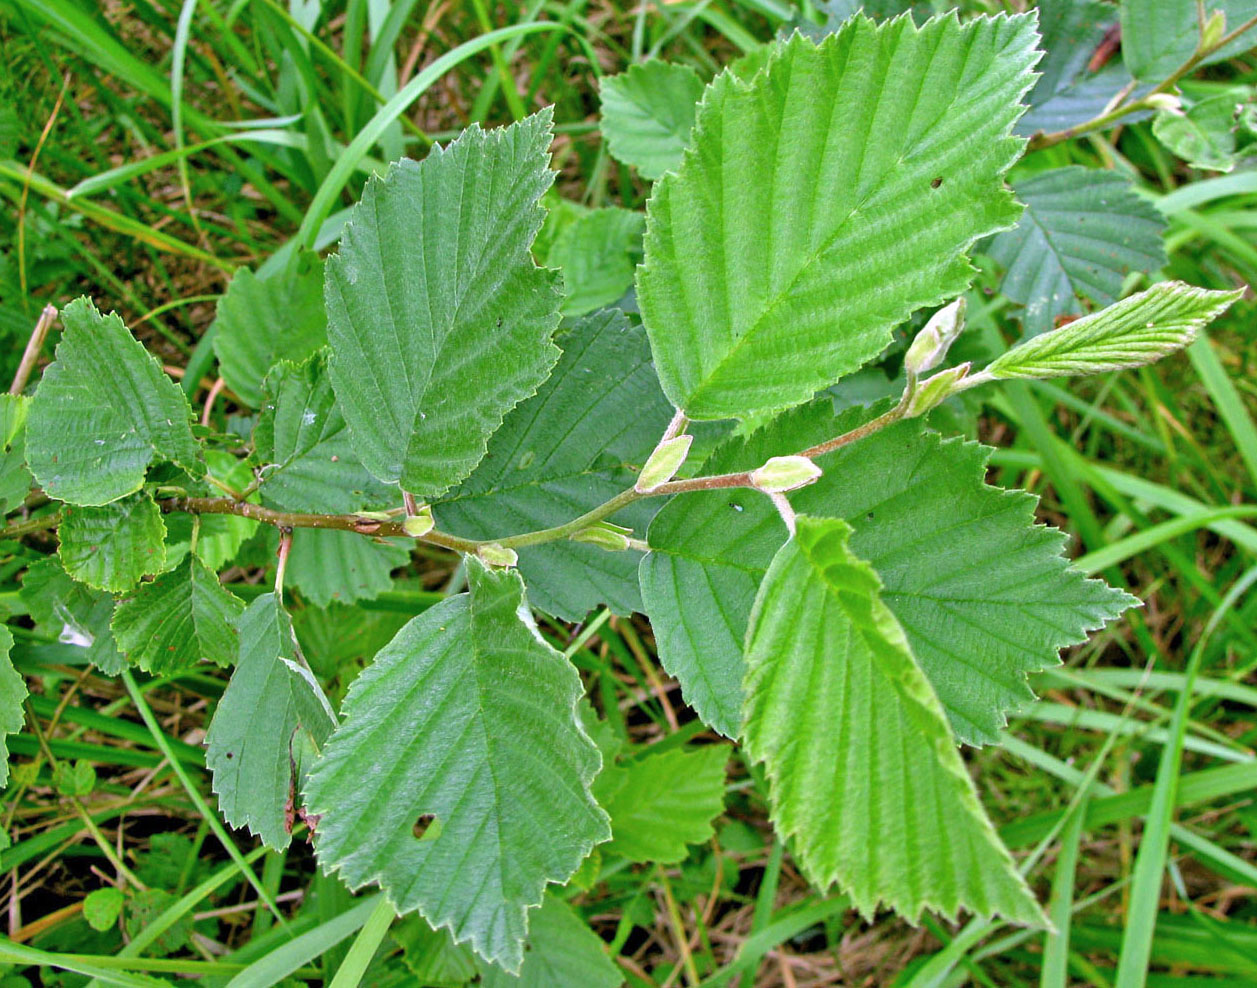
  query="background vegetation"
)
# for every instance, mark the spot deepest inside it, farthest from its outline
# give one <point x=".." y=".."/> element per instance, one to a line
<point x="124" y="183"/>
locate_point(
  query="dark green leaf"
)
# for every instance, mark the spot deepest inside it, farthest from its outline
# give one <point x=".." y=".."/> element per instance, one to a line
<point x="113" y="546"/>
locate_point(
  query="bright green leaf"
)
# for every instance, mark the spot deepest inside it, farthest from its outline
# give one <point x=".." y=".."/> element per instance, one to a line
<point x="768" y="276"/>
<point x="597" y="255"/>
<point x="1203" y="135"/>
<point x="309" y="458"/>
<point x="666" y="802"/>
<point x="478" y="793"/>
<point x="74" y="779"/>
<point x="864" y="777"/>
<point x="72" y="613"/>
<point x="1083" y="231"/>
<point x="264" y="320"/>
<point x="218" y="537"/>
<point x="103" y="411"/>
<point x="181" y="618"/>
<point x="252" y="750"/>
<point x="328" y="565"/>
<point x="102" y="907"/>
<point x="648" y="113"/>
<point x="113" y="546"/>
<point x="1137" y="330"/>
<point x="12" y="695"/>
<point x="15" y="479"/>
<point x="983" y="593"/>
<point x="563" y="952"/>
<point x="572" y="446"/>
<point x="439" y="322"/>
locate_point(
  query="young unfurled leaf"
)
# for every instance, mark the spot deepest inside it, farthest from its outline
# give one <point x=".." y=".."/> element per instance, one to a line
<point x="563" y="952"/>
<point x="113" y="546"/>
<point x="668" y="457"/>
<point x="648" y="113"/>
<point x="181" y="618"/>
<point x="15" y="479"/>
<point x="983" y="593"/>
<point x="1083" y="231"/>
<point x="1203" y="135"/>
<point x="479" y="790"/>
<point x="1135" y="331"/>
<point x="104" y="410"/>
<point x="262" y="320"/>
<point x="864" y="777"/>
<point x="569" y="448"/>
<point x="12" y="694"/>
<point x="438" y="319"/>
<point x="254" y="751"/>
<point x="768" y="276"/>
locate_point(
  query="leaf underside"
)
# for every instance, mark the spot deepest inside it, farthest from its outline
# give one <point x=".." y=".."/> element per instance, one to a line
<point x="467" y="723"/>
<point x="824" y="201"/>
<point x="864" y="776"/>
<point x="439" y="321"/>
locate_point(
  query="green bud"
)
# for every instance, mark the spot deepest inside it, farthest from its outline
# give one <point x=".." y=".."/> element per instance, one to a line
<point x="932" y="343"/>
<point x="613" y="538"/>
<point x="374" y="515"/>
<point x="933" y="391"/>
<point x="1164" y="101"/>
<point x="420" y="523"/>
<point x="663" y="464"/>
<point x="1213" y="31"/>
<point x="785" y="473"/>
<point x="493" y="554"/>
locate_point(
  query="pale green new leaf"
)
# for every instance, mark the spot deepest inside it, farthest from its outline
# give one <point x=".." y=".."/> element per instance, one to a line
<point x="181" y="618"/>
<point x="1084" y="230"/>
<point x="328" y="565"/>
<point x="648" y="113"/>
<point x="261" y="321"/>
<point x="563" y="952"/>
<point x="984" y="594"/>
<point x="252" y="741"/>
<point x="113" y="546"/>
<point x="15" y="479"/>
<point x="666" y="802"/>
<point x="1203" y="135"/>
<point x="12" y="695"/>
<point x="309" y="458"/>
<point x="104" y="410"/>
<point x="1158" y="36"/>
<point x="597" y="253"/>
<point x="438" y="319"/>
<point x="824" y="201"/>
<point x="1137" y="330"/>
<point x="864" y="777"/>
<point x="569" y="448"/>
<point x="467" y="720"/>
<point x="72" y="613"/>
<point x="218" y="537"/>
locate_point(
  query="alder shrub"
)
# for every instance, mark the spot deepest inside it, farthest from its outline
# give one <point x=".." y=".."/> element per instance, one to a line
<point x="833" y="584"/>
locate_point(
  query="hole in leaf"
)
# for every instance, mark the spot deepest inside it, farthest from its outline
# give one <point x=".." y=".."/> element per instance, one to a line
<point x="936" y="183"/>
<point x="231" y="755"/>
<point x="427" y="827"/>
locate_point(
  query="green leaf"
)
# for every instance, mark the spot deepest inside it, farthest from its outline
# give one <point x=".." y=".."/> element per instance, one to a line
<point x="864" y="778"/>
<point x="563" y="952"/>
<point x="1137" y="330"/>
<point x="74" y="779"/>
<point x="569" y="448"/>
<point x="103" y="411"/>
<point x="432" y="956"/>
<point x="12" y="695"/>
<point x="1084" y="230"/>
<point x="72" y="613"/>
<point x="1158" y="36"/>
<point x="327" y="565"/>
<point x="263" y="320"/>
<point x="983" y="593"/>
<point x="665" y="802"/>
<point x="768" y="276"/>
<point x="113" y="546"/>
<point x="181" y="618"/>
<point x="310" y="462"/>
<point x="597" y="255"/>
<point x="648" y="114"/>
<point x="468" y="721"/>
<point x="1066" y="93"/>
<point x="1203" y="135"/>
<point x="15" y="479"/>
<point x="102" y="907"/>
<point x="253" y="749"/>
<point x="439" y="321"/>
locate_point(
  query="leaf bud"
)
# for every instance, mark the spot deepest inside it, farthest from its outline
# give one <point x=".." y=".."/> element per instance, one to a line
<point x="613" y="538"/>
<point x="663" y="464"/>
<point x="494" y="554"/>
<point x="785" y="473"/>
<point x="1213" y="31"/>
<point x="933" y="391"/>
<point x="1165" y="101"/>
<point x="932" y="343"/>
<point x="420" y="523"/>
